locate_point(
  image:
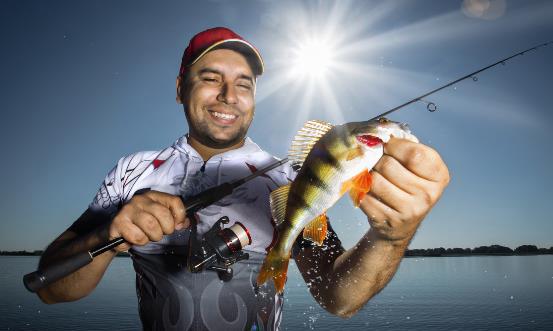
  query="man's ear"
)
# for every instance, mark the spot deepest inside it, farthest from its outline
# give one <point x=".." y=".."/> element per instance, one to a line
<point x="179" y="90"/>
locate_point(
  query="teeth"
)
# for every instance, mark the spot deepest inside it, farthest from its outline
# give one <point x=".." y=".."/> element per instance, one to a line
<point x="223" y="116"/>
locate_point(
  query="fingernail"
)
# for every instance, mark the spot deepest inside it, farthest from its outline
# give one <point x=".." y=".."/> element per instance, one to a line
<point x="179" y="226"/>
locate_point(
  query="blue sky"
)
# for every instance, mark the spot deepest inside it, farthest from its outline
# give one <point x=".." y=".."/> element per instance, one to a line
<point x="86" y="82"/>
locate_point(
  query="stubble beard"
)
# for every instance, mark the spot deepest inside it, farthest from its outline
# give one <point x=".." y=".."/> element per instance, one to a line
<point x="201" y="132"/>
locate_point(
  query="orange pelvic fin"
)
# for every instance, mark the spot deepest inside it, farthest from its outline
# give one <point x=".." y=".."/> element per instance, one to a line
<point x="359" y="186"/>
<point x="276" y="267"/>
<point x="316" y="229"/>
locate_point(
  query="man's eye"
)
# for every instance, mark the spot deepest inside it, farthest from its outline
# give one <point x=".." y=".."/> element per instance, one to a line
<point x="210" y="79"/>
<point x="244" y="86"/>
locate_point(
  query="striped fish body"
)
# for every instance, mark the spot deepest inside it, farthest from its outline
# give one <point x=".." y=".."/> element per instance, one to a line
<point x="319" y="182"/>
<point x="337" y="162"/>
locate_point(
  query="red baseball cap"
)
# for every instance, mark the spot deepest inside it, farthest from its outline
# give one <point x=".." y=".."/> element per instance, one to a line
<point x="217" y="38"/>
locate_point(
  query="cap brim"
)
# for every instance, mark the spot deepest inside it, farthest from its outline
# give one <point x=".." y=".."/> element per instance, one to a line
<point x="241" y="46"/>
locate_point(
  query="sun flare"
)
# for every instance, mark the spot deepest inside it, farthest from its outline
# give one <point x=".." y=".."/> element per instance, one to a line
<point x="313" y="58"/>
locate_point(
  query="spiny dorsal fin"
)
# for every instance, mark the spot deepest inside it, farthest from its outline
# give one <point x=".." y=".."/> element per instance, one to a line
<point x="277" y="201"/>
<point x="316" y="229"/>
<point x="305" y="139"/>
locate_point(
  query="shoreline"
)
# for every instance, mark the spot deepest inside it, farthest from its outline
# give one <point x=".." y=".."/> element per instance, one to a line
<point x="493" y="250"/>
<point x="464" y="255"/>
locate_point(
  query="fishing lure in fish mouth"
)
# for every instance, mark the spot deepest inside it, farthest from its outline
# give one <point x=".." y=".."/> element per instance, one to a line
<point x="331" y="161"/>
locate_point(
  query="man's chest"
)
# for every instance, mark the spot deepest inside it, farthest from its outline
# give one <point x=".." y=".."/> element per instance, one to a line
<point x="248" y="203"/>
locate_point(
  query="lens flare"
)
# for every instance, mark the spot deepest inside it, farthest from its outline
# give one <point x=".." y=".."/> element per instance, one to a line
<point x="313" y="59"/>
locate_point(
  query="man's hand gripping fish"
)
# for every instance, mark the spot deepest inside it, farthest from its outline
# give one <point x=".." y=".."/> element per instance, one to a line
<point x="332" y="161"/>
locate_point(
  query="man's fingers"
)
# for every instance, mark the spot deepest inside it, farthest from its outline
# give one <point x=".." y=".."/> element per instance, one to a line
<point x="150" y="225"/>
<point x="131" y="233"/>
<point x="163" y="215"/>
<point x="389" y="194"/>
<point x="183" y="225"/>
<point x="418" y="158"/>
<point x="174" y="203"/>
<point x="398" y="175"/>
<point x="377" y="211"/>
<point x="149" y="216"/>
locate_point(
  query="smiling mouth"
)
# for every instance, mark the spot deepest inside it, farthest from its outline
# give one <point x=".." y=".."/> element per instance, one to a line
<point x="222" y="115"/>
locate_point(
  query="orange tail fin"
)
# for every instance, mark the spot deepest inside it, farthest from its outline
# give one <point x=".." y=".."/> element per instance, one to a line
<point x="275" y="266"/>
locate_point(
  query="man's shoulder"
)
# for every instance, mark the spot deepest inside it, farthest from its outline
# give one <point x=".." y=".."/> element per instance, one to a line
<point x="147" y="156"/>
<point x="140" y="156"/>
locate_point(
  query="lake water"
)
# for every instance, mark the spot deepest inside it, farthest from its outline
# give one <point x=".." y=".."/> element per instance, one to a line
<point x="442" y="293"/>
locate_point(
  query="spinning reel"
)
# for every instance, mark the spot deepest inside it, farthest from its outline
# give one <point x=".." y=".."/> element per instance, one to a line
<point x="219" y="248"/>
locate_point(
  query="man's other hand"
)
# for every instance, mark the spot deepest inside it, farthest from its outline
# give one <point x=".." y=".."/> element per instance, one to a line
<point x="407" y="181"/>
<point x="147" y="217"/>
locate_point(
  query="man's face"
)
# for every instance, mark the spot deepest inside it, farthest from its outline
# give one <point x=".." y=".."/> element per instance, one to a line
<point x="219" y="98"/>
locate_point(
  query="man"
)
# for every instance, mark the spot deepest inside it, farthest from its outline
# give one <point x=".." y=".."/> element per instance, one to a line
<point x="216" y="86"/>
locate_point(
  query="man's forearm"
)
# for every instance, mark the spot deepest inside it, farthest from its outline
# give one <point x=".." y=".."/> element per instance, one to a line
<point x="360" y="273"/>
<point x="83" y="281"/>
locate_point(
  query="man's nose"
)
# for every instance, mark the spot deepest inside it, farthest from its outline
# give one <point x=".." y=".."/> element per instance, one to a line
<point x="227" y="94"/>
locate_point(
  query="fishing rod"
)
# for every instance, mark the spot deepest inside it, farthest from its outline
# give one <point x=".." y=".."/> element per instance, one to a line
<point x="432" y="106"/>
<point x="41" y="278"/>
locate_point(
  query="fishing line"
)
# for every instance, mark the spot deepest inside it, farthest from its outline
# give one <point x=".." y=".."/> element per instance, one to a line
<point x="431" y="106"/>
<point x="41" y="278"/>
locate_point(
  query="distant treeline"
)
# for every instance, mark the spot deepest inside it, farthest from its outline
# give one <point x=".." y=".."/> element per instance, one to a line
<point x="481" y="250"/>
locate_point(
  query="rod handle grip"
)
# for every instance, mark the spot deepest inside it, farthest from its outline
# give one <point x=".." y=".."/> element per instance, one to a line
<point x="41" y="278"/>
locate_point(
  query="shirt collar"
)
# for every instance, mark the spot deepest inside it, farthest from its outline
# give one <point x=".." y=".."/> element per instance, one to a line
<point x="248" y="148"/>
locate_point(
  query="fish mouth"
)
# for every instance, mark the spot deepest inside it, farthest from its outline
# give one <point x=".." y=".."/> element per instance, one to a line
<point x="376" y="132"/>
<point x="369" y="140"/>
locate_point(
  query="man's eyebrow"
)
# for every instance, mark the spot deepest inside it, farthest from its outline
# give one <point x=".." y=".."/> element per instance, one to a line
<point x="209" y="70"/>
<point x="246" y="77"/>
<point x="217" y="72"/>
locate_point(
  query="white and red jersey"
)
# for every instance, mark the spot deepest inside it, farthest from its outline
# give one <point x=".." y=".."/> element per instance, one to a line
<point x="180" y="170"/>
<point x="170" y="296"/>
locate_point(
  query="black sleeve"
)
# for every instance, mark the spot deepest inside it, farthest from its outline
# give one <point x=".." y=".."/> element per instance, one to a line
<point x="89" y="221"/>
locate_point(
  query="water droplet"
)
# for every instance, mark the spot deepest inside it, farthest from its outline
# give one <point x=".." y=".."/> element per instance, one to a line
<point x="408" y="317"/>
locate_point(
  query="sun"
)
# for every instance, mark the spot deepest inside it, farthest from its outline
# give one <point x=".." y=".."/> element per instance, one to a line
<point x="327" y="59"/>
<point x="312" y="59"/>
